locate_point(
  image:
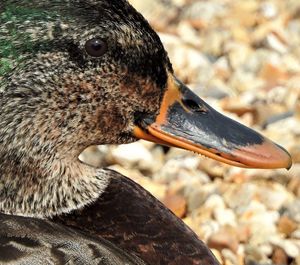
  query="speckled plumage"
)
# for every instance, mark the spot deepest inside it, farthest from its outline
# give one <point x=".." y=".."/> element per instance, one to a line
<point x="55" y="100"/>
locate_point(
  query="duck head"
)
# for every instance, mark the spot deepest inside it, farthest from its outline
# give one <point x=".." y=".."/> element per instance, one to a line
<point x="82" y="70"/>
<point x="78" y="73"/>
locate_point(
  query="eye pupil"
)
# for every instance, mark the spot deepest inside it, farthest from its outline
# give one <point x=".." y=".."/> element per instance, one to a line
<point x="95" y="47"/>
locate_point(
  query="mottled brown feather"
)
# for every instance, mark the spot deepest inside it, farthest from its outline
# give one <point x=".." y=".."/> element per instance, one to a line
<point x="129" y="216"/>
<point x="30" y="241"/>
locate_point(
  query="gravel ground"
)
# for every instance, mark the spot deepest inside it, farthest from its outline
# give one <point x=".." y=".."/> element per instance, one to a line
<point x="243" y="57"/>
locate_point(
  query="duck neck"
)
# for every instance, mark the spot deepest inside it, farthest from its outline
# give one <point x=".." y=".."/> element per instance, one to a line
<point x="46" y="186"/>
<point x="42" y="132"/>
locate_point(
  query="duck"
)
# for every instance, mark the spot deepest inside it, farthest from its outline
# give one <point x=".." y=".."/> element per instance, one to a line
<point x="76" y="73"/>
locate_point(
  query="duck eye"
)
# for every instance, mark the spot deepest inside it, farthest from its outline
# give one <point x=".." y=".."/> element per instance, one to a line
<point x="95" y="47"/>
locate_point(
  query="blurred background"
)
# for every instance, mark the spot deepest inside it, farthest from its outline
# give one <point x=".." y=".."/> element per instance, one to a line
<point x="243" y="58"/>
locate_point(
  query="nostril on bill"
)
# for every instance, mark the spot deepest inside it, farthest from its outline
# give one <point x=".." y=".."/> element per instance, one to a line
<point x="193" y="106"/>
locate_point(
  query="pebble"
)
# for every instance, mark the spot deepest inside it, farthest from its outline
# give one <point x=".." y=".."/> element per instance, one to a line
<point x="224" y="238"/>
<point x="279" y="257"/>
<point x="286" y="225"/>
<point x="176" y="203"/>
<point x="135" y="154"/>
<point x="292" y="210"/>
<point x="290" y="248"/>
<point x="197" y="194"/>
<point x="225" y="217"/>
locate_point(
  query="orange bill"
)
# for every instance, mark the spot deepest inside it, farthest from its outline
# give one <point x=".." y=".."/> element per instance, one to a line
<point x="187" y="122"/>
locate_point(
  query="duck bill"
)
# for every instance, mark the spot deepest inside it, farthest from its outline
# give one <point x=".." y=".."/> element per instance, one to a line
<point x="187" y="122"/>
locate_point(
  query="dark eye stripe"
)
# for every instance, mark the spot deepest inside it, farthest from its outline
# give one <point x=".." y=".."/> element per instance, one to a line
<point x="95" y="47"/>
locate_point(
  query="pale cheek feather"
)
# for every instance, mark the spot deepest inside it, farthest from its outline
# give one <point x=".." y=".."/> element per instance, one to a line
<point x="79" y="186"/>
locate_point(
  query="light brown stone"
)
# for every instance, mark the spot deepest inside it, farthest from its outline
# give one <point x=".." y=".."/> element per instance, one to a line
<point x="225" y="238"/>
<point x="176" y="203"/>
<point x="273" y="74"/>
<point x="286" y="225"/>
<point x="279" y="257"/>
